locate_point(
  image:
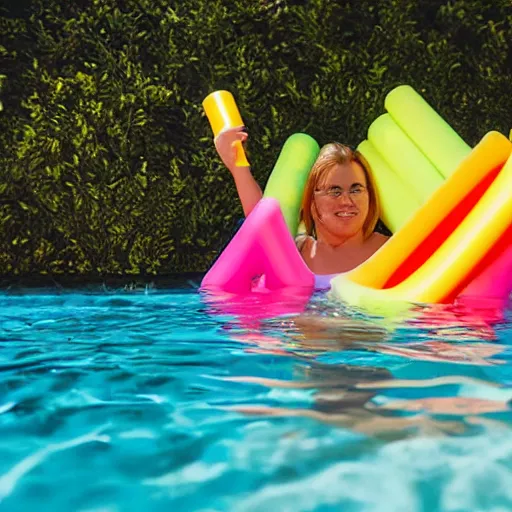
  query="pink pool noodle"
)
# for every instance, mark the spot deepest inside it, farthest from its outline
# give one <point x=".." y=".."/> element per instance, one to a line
<point x="262" y="246"/>
<point x="493" y="280"/>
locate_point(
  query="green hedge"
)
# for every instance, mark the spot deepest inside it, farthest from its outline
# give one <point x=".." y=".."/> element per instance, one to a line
<point x="106" y="158"/>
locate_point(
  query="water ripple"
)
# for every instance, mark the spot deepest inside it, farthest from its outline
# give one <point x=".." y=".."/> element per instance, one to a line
<point x="170" y="400"/>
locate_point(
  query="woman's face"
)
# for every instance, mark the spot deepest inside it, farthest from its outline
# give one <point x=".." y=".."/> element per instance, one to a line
<point x="341" y="200"/>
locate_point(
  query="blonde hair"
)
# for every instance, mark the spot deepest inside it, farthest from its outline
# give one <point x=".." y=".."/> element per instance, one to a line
<point x="330" y="155"/>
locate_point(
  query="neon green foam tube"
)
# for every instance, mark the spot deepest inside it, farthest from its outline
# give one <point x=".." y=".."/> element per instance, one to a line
<point x="397" y="199"/>
<point x="404" y="157"/>
<point x="288" y="178"/>
<point x="437" y="140"/>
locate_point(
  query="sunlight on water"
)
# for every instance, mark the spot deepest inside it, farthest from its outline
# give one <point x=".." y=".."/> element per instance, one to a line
<point x="171" y="400"/>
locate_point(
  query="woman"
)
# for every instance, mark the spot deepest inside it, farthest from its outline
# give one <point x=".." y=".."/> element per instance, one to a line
<point x="339" y="209"/>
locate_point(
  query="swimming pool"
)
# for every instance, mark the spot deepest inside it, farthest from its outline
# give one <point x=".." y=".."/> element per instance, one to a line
<point x="157" y="399"/>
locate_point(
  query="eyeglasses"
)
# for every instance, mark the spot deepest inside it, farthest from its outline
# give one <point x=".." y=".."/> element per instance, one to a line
<point x="355" y="193"/>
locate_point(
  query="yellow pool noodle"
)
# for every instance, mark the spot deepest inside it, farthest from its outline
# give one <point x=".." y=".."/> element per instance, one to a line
<point x="435" y="138"/>
<point x="398" y="201"/>
<point x="462" y="249"/>
<point x="404" y="157"/>
<point x="288" y="178"/>
<point x="222" y="112"/>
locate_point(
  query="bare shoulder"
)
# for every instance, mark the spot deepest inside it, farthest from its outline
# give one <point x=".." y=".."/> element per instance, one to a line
<point x="303" y="241"/>
<point x="377" y="240"/>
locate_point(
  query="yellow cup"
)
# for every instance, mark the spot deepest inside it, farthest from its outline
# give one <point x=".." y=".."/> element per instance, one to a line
<point x="222" y="112"/>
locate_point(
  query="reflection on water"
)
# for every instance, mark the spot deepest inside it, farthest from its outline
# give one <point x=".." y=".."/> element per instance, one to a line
<point x="359" y="396"/>
<point x="180" y="401"/>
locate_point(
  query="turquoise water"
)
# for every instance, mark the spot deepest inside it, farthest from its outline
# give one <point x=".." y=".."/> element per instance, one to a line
<point x="160" y="400"/>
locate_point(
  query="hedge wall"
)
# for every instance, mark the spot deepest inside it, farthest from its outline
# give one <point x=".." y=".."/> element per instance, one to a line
<point x="106" y="158"/>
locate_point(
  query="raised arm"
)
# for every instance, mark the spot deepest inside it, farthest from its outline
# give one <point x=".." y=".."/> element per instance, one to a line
<point x="247" y="187"/>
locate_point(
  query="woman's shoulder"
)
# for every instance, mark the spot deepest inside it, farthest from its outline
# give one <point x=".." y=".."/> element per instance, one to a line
<point x="377" y="240"/>
<point x="302" y="240"/>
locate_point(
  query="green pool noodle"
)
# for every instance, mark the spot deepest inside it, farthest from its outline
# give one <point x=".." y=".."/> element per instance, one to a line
<point x="397" y="199"/>
<point x="436" y="139"/>
<point x="288" y="178"/>
<point x="404" y="157"/>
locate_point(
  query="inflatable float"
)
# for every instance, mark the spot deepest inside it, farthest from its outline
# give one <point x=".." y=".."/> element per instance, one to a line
<point x="448" y="205"/>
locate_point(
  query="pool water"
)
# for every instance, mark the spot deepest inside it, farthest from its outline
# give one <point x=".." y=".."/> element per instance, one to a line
<point x="162" y="399"/>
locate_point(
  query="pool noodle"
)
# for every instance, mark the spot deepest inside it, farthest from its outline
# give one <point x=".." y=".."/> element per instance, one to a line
<point x="483" y="281"/>
<point x="404" y="157"/>
<point x="445" y="270"/>
<point x="443" y="276"/>
<point x="493" y="280"/>
<point x="222" y="113"/>
<point x="289" y="175"/>
<point x="397" y="200"/>
<point x="445" y="149"/>
<point x="492" y="151"/>
<point x="262" y="246"/>
<point x="413" y="141"/>
<point x="435" y="138"/>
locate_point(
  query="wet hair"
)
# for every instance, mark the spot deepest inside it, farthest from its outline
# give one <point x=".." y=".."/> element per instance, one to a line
<point x="330" y="155"/>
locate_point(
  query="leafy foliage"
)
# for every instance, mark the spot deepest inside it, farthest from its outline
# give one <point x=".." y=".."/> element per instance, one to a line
<point x="106" y="159"/>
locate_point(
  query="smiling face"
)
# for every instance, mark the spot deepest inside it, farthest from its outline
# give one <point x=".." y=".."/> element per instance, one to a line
<point x="341" y="201"/>
<point x="339" y="198"/>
